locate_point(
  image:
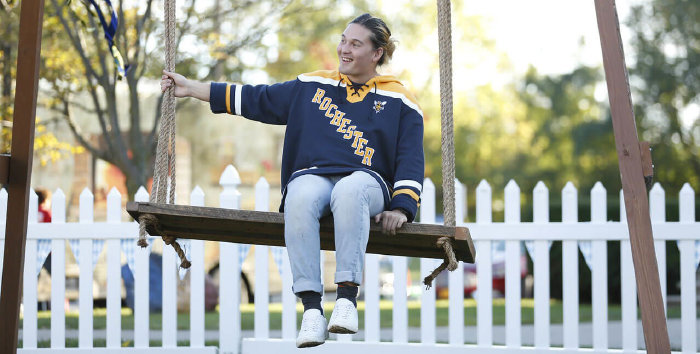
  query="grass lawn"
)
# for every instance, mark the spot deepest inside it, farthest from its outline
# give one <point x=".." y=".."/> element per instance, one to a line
<point x="247" y="315"/>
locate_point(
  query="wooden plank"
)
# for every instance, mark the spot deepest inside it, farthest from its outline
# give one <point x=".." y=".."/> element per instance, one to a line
<point x="28" y="50"/>
<point x="630" y="161"/>
<point x="267" y="228"/>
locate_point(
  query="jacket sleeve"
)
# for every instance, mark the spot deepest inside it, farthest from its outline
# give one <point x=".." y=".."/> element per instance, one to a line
<point x="410" y="163"/>
<point x="263" y="103"/>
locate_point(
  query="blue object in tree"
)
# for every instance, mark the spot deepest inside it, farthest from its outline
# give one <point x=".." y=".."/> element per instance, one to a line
<point x="110" y="30"/>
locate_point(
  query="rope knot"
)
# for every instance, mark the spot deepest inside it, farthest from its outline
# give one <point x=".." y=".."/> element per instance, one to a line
<point x="449" y="262"/>
<point x="151" y="222"/>
<point x="168" y="240"/>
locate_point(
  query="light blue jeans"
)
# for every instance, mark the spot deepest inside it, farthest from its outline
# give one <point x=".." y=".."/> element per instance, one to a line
<point x="352" y="199"/>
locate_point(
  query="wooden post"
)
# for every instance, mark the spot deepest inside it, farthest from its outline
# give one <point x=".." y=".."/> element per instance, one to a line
<point x="20" y="170"/>
<point x="630" y="161"/>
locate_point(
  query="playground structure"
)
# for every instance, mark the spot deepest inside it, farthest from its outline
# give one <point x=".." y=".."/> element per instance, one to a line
<point x="630" y="153"/>
<point x="485" y="327"/>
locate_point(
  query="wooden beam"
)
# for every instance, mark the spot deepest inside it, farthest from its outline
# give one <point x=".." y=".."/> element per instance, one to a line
<point x="267" y="228"/>
<point x="4" y="168"/>
<point x="631" y="172"/>
<point x="28" y="51"/>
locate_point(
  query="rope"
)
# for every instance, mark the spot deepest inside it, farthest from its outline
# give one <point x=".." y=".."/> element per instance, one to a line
<point x="164" y="172"/>
<point x="447" y="133"/>
<point x="449" y="263"/>
<point x="447" y="127"/>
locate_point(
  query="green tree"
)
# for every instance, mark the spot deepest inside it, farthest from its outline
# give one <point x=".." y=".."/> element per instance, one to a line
<point x="47" y="148"/>
<point x="573" y="137"/>
<point x="78" y="64"/>
<point x="665" y="78"/>
<point x="307" y="42"/>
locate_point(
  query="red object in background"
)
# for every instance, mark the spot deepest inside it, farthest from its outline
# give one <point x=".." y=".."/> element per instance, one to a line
<point x="113" y="177"/>
<point x="267" y="165"/>
<point x="498" y="274"/>
<point x="44" y="205"/>
<point x="44" y="214"/>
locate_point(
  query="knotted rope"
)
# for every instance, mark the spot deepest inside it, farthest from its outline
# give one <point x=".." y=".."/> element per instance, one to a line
<point x="164" y="172"/>
<point x="447" y="133"/>
<point x="450" y="262"/>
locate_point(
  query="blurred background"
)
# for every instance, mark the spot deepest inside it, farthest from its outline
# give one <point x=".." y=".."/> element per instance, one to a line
<point x="530" y="101"/>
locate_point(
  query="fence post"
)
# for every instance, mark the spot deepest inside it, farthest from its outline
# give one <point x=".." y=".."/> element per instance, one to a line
<point x="87" y="215"/>
<point x="289" y="300"/>
<point x="229" y="271"/>
<point x="58" y="273"/>
<point x="399" y="315"/>
<point x="170" y="266"/>
<point x="540" y="260"/>
<point x="371" y="290"/>
<point x="657" y="213"/>
<point x="114" y="279"/>
<point x="484" y="269"/>
<point x="687" y="249"/>
<point x="262" y="292"/>
<point x="628" y="288"/>
<point x="197" y="283"/>
<point x="29" y="279"/>
<point x="456" y="278"/>
<point x="427" y="309"/>
<point x="460" y="201"/>
<point x="513" y="292"/>
<point x="599" y="270"/>
<point x="141" y="286"/>
<point x="569" y="250"/>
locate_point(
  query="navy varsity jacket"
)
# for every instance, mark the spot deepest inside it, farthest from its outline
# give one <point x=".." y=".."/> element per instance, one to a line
<point x="335" y="127"/>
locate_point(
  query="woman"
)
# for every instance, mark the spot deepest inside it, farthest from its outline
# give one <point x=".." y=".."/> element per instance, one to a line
<point x="353" y="147"/>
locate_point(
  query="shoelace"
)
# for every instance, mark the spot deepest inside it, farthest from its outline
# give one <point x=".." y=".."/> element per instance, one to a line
<point x="357" y="88"/>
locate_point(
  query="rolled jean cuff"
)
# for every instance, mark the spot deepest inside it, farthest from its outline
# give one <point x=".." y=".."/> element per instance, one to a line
<point x="307" y="285"/>
<point x="348" y="276"/>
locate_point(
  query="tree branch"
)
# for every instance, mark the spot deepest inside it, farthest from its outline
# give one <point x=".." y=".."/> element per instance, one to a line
<point x="152" y="135"/>
<point x="140" y="24"/>
<point x="79" y="136"/>
<point x="73" y="36"/>
<point x="100" y="115"/>
<point x="185" y="25"/>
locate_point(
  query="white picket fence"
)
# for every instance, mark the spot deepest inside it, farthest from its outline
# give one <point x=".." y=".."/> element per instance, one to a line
<point x="88" y="235"/>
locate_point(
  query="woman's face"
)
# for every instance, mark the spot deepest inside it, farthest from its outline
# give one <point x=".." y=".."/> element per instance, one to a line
<point x="356" y="54"/>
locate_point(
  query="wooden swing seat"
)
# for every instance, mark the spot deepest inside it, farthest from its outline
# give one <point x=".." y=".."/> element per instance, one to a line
<point x="267" y="228"/>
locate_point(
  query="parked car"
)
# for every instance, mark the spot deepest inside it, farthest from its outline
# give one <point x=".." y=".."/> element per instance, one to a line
<point x="498" y="273"/>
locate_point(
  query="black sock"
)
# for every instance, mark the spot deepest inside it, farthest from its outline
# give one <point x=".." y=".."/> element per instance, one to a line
<point x="311" y="300"/>
<point x="348" y="292"/>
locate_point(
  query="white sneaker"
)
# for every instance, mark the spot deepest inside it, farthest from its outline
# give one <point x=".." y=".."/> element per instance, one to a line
<point x="313" y="329"/>
<point x="344" y="317"/>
